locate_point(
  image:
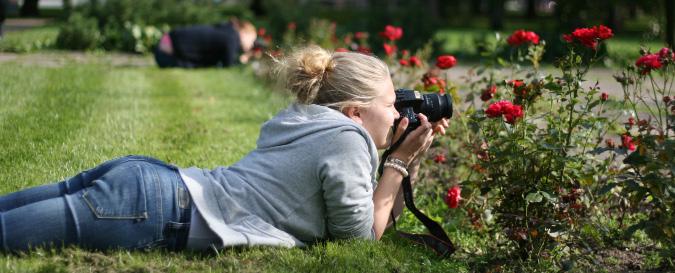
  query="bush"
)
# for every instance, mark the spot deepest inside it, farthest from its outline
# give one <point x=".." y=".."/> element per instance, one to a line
<point x="136" y="26"/>
<point x="79" y="33"/>
<point x="29" y="40"/>
<point x="648" y="181"/>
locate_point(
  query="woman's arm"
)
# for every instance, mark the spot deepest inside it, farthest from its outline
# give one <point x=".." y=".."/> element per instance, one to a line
<point x="388" y="188"/>
<point x="413" y="170"/>
<point x="399" y="202"/>
<point x="384" y="199"/>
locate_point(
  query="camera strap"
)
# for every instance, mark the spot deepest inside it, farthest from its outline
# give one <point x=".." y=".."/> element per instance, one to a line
<point x="437" y="240"/>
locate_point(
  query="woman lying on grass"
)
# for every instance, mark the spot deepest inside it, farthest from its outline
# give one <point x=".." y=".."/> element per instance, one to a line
<point x="312" y="176"/>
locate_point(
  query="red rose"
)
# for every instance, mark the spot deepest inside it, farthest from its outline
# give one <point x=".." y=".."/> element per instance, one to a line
<point x="361" y="35"/>
<point x="488" y="93"/>
<point x="589" y="37"/>
<point x="403" y="62"/>
<point x="603" y="32"/>
<point x="341" y="49"/>
<point x="392" y="33"/>
<point x="389" y="49"/>
<point x="519" y="88"/>
<point x="665" y="54"/>
<point x="446" y="61"/>
<point x="405" y="53"/>
<point x="415" y="61"/>
<point x="262" y="31"/>
<point x="494" y="110"/>
<point x="512" y="113"/>
<point x="439" y="158"/>
<point x="453" y="196"/>
<point x="629" y="124"/>
<point x="291" y="26"/>
<point x="604" y="96"/>
<point x="648" y="62"/>
<point x="627" y="142"/>
<point x="520" y="37"/>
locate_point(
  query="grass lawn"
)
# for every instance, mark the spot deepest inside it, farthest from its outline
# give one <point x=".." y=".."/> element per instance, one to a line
<point x="29" y="40"/>
<point x="57" y="121"/>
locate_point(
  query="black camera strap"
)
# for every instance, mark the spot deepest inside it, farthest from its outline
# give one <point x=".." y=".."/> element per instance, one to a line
<point x="438" y="240"/>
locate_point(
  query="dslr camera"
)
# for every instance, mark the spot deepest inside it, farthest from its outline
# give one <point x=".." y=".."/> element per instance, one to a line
<point x="410" y="102"/>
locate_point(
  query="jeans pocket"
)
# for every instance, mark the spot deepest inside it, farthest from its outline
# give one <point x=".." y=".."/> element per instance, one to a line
<point x="120" y="193"/>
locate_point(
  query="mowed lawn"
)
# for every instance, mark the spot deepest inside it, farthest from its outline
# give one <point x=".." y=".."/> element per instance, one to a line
<point x="58" y="121"/>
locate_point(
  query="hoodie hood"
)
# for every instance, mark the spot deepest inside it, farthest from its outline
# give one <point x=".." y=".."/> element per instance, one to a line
<point x="300" y="120"/>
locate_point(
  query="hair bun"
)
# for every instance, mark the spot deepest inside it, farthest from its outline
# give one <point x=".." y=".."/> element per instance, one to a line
<point x="306" y="69"/>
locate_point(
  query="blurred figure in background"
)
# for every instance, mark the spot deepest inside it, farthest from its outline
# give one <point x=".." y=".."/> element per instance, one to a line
<point x="3" y="12"/>
<point x="219" y="45"/>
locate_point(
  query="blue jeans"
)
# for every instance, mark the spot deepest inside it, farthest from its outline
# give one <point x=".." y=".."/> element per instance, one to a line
<point x="132" y="202"/>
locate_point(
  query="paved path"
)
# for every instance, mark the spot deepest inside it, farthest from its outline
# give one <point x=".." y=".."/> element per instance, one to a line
<point x="61" y="58"/>
<point x="604" y="76"/>
<point x="18" y="24"/>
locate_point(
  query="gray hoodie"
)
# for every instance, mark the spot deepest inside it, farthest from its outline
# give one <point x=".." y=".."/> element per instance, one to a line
<point x="310" y="178"/>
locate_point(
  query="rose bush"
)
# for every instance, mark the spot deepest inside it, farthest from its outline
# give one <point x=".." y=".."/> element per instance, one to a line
<point x="531" y="157"/>
<point x="647" y="181"/>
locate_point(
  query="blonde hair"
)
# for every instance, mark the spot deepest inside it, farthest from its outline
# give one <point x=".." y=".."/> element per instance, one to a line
<point x="334" y="79"/>
<point x="243" y="25"/>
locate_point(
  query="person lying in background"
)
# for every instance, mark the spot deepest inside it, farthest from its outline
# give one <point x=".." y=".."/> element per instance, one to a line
<point x="218" y="45"/>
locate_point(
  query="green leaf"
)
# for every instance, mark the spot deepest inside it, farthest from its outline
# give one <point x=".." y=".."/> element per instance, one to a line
<point x="548" y="196"/>
<point x="632" y="229"/>
<point x="606" y="188"/>
<point x="501" y="61"/>
<point x="593" y="104"/>
<point x="533" y="197"/>
<point x="636" y="159"/>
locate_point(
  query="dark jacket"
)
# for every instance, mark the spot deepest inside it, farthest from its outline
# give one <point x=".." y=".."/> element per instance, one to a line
<point x="206" y="45"/>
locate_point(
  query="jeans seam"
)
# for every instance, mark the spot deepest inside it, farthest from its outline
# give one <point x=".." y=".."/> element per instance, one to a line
<point x="159" y="204"/>
<point x="4" y="231"/>
<point x="76" y="221"/>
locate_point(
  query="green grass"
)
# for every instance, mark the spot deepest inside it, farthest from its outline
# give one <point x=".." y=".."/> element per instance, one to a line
<point x="29" y="40"/>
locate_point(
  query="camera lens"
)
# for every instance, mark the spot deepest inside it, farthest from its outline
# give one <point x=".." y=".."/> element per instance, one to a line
<point x="437" y="106"/>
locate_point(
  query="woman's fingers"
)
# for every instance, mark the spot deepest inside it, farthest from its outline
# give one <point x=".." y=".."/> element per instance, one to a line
<point x="400" y="129"/>
<point x="439" y="126"/>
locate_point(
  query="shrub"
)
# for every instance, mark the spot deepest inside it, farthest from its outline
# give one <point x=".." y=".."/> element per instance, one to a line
<point x="29" y="40"/>
<point x="79" y="33"/>
<point x="136" y="26"/>
<point x="648" y="181"/>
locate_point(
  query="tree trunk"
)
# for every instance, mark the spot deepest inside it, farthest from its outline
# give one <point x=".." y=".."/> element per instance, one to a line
<point x="613" y="20"/>
<point x="531" y="9"/>
<point x="67" y="8"/>
<point x="258" y="8"/>
<point x="670" y="23"/>
<point x="3" y="10"/>
<point x="632" y="10"/>
<point x="497" y="14"/>
<point x="29" y="8"/>
<point x="476" y="7"/>
<point x="433" y="7"/>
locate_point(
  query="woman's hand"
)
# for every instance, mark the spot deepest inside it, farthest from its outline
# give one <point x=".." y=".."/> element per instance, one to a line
<point x="418" y="141"/>
<point x="440" y="126"/>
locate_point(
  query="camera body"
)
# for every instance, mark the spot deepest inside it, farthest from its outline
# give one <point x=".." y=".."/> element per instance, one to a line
<point x="410" y="102"/>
